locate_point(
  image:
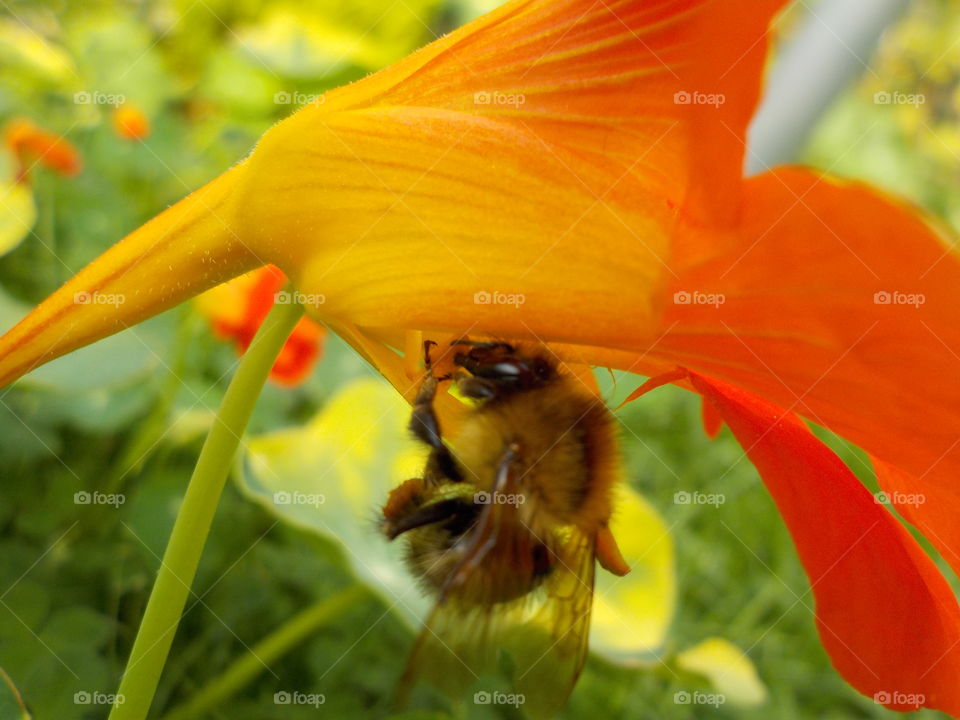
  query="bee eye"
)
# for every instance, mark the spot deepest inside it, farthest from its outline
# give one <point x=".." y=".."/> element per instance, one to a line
<point x="507" y="368"/>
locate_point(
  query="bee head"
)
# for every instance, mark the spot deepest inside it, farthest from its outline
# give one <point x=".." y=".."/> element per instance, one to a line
<point x="496" y="369"/>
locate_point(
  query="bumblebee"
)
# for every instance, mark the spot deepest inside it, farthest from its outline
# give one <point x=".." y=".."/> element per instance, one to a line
<point x="507" y="523"/>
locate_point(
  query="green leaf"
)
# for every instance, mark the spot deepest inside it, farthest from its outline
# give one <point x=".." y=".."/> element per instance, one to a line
<point x="469" y="9"/>
<point x="118" y="61"/>
<point x="237" y="81"/>
<point x="106" y="365"/>
<point x="305" y="45"/>
<point x="56" y="657"/>
<point x="331" y="476"/>
<point x="99" y="387"/>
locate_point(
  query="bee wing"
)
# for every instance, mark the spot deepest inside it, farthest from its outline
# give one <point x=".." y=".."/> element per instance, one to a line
<point x="538" y="641"/>
<point x="550" y="650"/>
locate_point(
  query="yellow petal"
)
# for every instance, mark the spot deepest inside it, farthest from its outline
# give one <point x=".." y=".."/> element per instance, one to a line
<point x="631" y="614"/>
<point x="422" y="201"/>
<point x="17" y="214"/>
<point x="727" y="668"/>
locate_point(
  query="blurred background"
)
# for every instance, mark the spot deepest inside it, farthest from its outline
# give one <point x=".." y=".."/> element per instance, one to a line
<point x="110" y="111"/>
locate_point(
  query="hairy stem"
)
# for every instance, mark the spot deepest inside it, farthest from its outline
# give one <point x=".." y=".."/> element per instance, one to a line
<point x="179" y="565"/>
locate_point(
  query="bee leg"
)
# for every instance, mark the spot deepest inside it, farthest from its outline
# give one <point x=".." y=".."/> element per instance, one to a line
<point x="485" y="535"/>
<point x="445" y="511"/>
<point x="425" y="426"/>
<point x="428" y="362"/>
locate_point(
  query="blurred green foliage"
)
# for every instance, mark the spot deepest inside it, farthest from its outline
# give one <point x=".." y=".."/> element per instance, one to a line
<point x="127" y="415"/>
<point x="899" y="128"/>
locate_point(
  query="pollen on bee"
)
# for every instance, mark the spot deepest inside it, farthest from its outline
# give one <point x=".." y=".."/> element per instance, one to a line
<point x="402" y="497"/>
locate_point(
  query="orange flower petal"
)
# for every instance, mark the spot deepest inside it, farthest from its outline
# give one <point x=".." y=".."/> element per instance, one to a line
<point x="930" y="501"/>
<point x="844" y="306"/>
<point x="130" y="123"/>
<point x="885" y="614"/>
<point x="299" y="354"/>
<point x="711" y="419"/>
<point x="237" y="309"/>
<point x="728" y="68"/>
<point x="225" y="306"/>
<point x="33" y="145"/>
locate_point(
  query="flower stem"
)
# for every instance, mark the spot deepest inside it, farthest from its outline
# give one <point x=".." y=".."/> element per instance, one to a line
<point x="273" y="646"/>
<point x="179" y="565"/>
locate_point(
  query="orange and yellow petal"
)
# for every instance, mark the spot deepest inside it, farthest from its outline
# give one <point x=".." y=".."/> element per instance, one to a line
<point x="536" y="159"/>
<point x="885" y="614"/>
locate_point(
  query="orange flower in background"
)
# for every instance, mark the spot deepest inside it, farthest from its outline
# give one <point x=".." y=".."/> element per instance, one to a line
<point x="586" y="158"/>
<point x="32" y="145"/>
<point x="237" y="308"/>
<point x="130" y="123"/>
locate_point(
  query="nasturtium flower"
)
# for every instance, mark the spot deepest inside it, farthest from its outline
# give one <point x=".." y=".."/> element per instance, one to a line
<point x="27" y="146"/>
<point x="130" y="122"/>
<point x="570" y="171"/>
<point x="237" y="308"/>
<point x="32" y="145"/>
